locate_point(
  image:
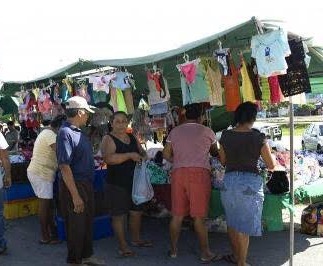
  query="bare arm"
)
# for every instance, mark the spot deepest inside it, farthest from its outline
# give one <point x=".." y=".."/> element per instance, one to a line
<point x="4" y="157"/>
<point x="214" y="149"/>
<point x="70" y="183"/>
<point x="266" y="156"/>
<point x="168" y="152"/>
<point x="222" y="156"/>
<point x="110" y="157"/>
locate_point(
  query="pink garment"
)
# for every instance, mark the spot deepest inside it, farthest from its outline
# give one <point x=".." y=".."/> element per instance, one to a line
<point x="196" y="154"/>
<point x="275" y="91"/>
<point x="189" y="72"/>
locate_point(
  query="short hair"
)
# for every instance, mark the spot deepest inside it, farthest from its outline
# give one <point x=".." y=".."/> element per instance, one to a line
<point x="193" y="111"/>
<point x="245" y="113"/>
<point x="119" y="113"/>
<point x="10" y="123"/>
<point x="70" y="113"/>
<point x="57" y="121"/>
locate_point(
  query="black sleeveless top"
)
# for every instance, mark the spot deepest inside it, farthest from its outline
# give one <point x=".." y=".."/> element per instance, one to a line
<point x="122" y="174"/>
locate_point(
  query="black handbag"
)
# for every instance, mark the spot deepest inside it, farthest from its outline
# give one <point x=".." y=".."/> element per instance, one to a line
<point x="278" y="182"/>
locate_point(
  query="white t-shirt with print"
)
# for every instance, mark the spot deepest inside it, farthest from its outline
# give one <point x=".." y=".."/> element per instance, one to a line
<point x="3" y="145"/>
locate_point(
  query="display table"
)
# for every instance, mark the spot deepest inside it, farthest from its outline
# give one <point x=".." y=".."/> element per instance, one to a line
<point x="272" y="210"/>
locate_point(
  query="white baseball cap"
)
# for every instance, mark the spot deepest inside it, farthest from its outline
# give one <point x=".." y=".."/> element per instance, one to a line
<point x="78" y="102"/>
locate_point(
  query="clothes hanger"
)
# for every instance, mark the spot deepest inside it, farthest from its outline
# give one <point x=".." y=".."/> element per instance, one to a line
<point x="186" y="57"/>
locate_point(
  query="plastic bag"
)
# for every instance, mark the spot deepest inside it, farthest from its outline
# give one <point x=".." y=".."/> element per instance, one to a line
<point x="142" y="190"/>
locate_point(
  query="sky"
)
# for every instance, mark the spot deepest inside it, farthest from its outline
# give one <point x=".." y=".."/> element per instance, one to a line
<point x="38" y="37"/>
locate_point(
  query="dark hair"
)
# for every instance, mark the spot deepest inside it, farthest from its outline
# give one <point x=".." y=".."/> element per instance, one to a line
<point x="193" y="111"/>
<point x="57" y="121"/>
<point x="245" y="113"/>
<point x="70" y="113"/>
<point x="119" y="113"/>
<point x="10" y="123"/>
<point x="46" y="123"/>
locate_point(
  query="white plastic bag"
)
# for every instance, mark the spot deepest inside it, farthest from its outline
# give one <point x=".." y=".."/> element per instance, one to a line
<point x="142" y="190"/>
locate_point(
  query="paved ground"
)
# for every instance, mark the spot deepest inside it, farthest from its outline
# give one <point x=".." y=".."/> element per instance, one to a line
<point x="270" y="250"/>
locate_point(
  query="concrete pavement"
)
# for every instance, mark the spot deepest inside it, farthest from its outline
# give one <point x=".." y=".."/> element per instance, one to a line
<point x="270" y="250"/>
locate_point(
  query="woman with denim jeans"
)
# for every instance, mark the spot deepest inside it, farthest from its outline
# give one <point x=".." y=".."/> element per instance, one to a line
<point x="242" y="194"/>
<point x="5" y="181"/>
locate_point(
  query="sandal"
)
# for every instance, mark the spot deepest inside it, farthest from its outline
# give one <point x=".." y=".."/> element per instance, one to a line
<point x="230" y="258"/>
<point x="142" y="244"/>
<point x="126" y="254"/>
<point x="50" y="242"/>
<point x="211" y="259"/>
<point x="171" y="255"/>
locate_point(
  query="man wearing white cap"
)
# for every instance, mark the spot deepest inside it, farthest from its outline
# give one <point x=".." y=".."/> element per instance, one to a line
<point x="76" y="165"/>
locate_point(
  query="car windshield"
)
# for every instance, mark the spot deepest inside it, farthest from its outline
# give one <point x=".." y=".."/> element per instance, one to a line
<point x="321" y="130"/>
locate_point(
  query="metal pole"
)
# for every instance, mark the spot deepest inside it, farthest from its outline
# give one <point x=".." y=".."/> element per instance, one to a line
<point x="291" y="178"/>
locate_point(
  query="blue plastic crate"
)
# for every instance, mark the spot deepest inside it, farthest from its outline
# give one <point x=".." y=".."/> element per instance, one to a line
<point x="102" y="227"/>
<point x="18" y="192"/>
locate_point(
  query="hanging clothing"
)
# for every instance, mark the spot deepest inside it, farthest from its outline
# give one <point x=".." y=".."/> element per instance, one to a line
<point x="117" y="100"/>
<point x="265" y="89"/>
<point x="154" y="95"/>
<point x="157" y="77"/>
<point x="232" y="89"/>
<point x="189" y="70"/>
<point x="158" y="109"/>
<point x="196" y="92"/>
<point x="270" y="50"/>
<point x="254" y="77"/>
<point x="223" y="58"/>
<point x="275" y="93"/>
<point x="296" y="80"/>
<point x="101" y="83"/>
<point x="127" y="94"/>
<point x="120" y="80"/>
<point x="213" y="79"/>
<point x="246" y="88"/>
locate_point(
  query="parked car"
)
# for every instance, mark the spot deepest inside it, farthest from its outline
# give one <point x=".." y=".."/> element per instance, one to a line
<point x="272" y="131"/>
<point x="312" y="138"/>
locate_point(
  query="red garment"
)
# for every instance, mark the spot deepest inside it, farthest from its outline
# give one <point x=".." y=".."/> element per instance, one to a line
<point x="232" y="89"/>
<point x="30" y="105"/>
<point x="32" y="123"/>
<point x="275" y="91"/>
<point x="156" y="78"/>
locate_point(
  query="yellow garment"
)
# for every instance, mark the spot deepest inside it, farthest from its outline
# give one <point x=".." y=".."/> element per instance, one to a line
<point x="265" y="89"/>
<point x="35" y="91"/>
<point x="213" y="78"/>
<point x="43" y="162"/>
<point x="127" y="94"/>
<point x="247" y="91"/>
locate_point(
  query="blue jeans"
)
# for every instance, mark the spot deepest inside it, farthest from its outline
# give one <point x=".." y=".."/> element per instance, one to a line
<point x="3" y="242"/>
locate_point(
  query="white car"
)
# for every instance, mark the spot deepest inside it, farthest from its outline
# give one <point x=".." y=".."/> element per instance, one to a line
<point x="312" y="138"/>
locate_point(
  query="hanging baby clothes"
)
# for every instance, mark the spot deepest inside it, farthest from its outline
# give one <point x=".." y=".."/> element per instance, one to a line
<point x="265" y="89"/>
<point x="296" y="80"/>
<point x="120" y="80"/>
<point x="254" y="77"/>
<point x="158" y="88"/>
<point x="223" y="57"/>
<point x="189" y="70"/>
<point x="101" y="83"/>
<point x="159" y="108"/>
<point x="275" y="92"/>
<point x="270" y="50"/>
<point x="197" y="91"/>
<point x="213" y="79"/>
<point x="232" y="89"/>
<point x="117" y="100"/>
<point x="246" y="88"/>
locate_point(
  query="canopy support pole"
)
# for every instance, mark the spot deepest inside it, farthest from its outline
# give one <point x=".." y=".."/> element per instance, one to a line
<point x="291" y="178"/>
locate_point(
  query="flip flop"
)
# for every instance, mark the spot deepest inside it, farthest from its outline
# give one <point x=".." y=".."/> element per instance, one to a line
<point x="229" y="258"/>
<point x="142" y="244"/>
<point x="126" y="254"/>
<point x="171" y="255"/>
<point x="50" y="242"/>
<point x="212" y="259"/>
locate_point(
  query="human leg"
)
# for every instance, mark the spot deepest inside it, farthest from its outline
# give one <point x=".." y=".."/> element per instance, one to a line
<point x="240" y="244"/>
<point x="44" y="219"/>
<point x="174" y="230"/>
<point x="3" y="243"/>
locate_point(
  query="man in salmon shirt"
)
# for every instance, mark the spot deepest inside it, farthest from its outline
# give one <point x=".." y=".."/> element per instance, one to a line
<point x="188" y="147"/>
